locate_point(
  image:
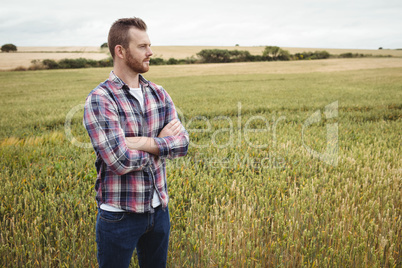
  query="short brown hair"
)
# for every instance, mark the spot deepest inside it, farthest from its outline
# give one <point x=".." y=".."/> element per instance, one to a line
<point x="118" y="33"/>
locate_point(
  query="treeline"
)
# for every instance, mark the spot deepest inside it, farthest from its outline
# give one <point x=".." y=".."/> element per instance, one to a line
<point x="70" y="63"/>
<point x="173" y="61"/>
<point x="270" y="53"/>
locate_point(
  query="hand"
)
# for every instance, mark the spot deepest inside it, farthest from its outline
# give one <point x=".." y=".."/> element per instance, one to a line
<point x="172" y="129"/>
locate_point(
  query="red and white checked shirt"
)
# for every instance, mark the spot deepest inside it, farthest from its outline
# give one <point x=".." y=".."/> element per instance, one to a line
<point x="126" y="178"/>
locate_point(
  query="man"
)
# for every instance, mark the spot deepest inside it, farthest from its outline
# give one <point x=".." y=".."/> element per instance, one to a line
<point x="134" y="127"/>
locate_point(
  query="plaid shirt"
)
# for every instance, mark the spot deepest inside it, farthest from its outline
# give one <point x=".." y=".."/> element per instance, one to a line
<point x="126" y="178"/>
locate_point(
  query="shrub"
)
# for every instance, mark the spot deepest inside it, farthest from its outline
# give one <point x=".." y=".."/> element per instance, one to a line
<point x="351" y="55"/>
<point x="346" y="55"/>
<point x="20" y="68"/>
<point x="70" y="63"/>
<point x="172" y="61"/>
<point x="258" y="58"/>
<point x="36" y="65"/>
<point x="188" y="60"/>
<point x="312" y="55"/>
<point x="240" y="55"/>
<point x="283" y="55"/>
<point x="271" y="51"/>
<point x="157" y="61"/>
<point x="322" y="54"/>
<point x="8" y="48"/>
<point x="104" y="45"/>
<point x="275" y="53"/>
<point x="106" y="63"/>
<point x="50" y="64"/>
<point x="224" y="55"/>
<point x="214" y="55"/>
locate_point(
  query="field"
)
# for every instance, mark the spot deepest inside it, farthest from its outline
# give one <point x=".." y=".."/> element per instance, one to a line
<point x="26" y="55"/>
<point x="291" y="164"/>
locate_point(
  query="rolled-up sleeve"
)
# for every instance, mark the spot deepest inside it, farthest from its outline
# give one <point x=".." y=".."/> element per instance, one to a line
<point x="101" y="120"/>
<point x="173" y="146"/>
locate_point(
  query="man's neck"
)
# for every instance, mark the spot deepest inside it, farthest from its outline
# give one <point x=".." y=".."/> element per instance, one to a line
<point x="129" y="77"/>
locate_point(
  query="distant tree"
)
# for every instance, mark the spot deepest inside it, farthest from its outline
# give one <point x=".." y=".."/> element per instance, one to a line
<point x="380" y="48"/>
<point x="271" y="51"/>
<point x="214" y="55"/>
<point x="104" y="45"/>
<point x="157" y="61"/>
<point x="317" y="55"/>
<point x="283" y="55"/>
<point x="172" y="61"/>
<point x="50" y="64"/>
<point x="8" y="48"/>
<point x="322" y="54"/>
<point x="275" y="53"/>
<point x="240" y="55"/>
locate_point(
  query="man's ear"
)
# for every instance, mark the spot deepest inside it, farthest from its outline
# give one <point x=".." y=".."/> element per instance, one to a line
<point x="119" y="51"/>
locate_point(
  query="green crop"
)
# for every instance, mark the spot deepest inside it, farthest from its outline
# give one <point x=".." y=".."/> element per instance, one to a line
<point x="283" y="170"/>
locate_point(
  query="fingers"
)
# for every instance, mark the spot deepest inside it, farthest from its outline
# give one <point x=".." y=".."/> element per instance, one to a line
<point x="173" y="122"/>
<point x="175" y="127"/>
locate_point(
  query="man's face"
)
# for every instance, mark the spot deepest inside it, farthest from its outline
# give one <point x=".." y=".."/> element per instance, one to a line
<point x="139" y="51"/>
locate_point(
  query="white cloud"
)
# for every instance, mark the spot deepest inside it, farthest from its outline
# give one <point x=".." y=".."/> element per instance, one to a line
<point x="310" y="23"/>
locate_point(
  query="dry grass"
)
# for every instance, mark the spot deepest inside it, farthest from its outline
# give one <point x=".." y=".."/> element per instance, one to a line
<point x="334" y="51"/>
<point x="10" y="61"/>
<point x="312" y="66"/>
<point x="60" y="49"/>
<point x="180" y="52"/>
<point x="25" y="55"/>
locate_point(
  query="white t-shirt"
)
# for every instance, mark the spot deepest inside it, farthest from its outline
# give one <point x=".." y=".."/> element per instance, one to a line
<point x="137" y="93"/>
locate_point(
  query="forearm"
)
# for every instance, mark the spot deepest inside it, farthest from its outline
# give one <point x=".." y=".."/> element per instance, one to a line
<point x="145" y="144"/>
<point x="117" y="155"/>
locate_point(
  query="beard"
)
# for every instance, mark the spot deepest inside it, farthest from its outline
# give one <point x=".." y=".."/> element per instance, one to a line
<point x="136" y="65"/>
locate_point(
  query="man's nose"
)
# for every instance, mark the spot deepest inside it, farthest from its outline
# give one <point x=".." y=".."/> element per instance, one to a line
<point x="149" y="52"/>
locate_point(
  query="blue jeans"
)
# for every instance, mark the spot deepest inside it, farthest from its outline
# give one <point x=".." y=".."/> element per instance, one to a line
<point x="119" y="233"/>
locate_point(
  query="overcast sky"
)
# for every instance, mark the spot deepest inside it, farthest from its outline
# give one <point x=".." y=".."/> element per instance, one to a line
<point x="364" y="24"/>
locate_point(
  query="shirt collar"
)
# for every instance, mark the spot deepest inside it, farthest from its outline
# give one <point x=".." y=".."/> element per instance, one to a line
<point x="121" y="85"/>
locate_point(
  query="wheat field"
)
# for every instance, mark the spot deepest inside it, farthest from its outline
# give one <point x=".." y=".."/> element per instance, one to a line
<point x="252" y="191"/>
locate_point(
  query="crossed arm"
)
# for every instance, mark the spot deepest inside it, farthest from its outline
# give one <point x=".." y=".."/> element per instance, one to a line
<point x="147" y="144"/>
